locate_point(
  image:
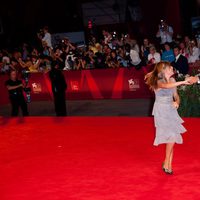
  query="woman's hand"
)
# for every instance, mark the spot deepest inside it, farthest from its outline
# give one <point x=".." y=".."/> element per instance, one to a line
<point x="186" y="82"/>
<point x="147" y="75"/>
<point x="175" y="105"/>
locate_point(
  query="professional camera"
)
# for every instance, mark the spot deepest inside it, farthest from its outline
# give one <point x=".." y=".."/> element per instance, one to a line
<point x="114" y="35"/>
<point x="25" y="76"/>
<point x="163" y="25"/>
<point x="27" y="90"/>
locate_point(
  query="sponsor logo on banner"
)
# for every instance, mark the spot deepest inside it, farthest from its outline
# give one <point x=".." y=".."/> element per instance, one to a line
<point x="133" y="84"/>
<point x="36" y="88"/>
<point x="74" y="85"/>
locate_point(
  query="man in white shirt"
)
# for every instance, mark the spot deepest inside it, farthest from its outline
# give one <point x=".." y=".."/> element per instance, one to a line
<point x="153" y="57"/>
<point x="107" y="38"/>
<point x="165" y="32"/>
<point x="135" y="58"/>
<point x="193" y="52"/>
<point x="47" y="37"/>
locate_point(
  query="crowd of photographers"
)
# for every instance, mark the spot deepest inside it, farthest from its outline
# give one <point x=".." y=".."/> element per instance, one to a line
<point x="113" y="50"/>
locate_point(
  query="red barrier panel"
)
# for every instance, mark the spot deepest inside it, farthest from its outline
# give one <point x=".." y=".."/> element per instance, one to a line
<point x="88" y="84"/>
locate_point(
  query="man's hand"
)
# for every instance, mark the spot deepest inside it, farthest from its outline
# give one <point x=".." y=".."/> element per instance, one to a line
<point x="192" y="79"/>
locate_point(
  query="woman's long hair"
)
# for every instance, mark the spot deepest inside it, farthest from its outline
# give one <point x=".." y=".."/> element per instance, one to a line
<point x="151" y="79"/>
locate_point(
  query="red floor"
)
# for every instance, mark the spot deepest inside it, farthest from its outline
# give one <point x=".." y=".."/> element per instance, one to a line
<point x="94" y="159"/>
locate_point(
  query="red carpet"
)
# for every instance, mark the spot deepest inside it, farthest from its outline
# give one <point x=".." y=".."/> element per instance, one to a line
<point x="94" y="159"/>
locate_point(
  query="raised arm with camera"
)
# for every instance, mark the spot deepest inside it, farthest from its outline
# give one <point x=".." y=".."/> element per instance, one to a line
<point x="165" y="32"/>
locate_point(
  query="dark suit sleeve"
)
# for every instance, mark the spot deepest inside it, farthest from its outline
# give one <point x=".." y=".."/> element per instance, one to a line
<point x="181" y="65"/>
<point x="185" y="66"/>
<point x="64" y="84"/>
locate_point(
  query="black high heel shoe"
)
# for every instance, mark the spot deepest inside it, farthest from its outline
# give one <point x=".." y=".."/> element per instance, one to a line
<point x="167" y="171"/>
<point x="170" y="172"/>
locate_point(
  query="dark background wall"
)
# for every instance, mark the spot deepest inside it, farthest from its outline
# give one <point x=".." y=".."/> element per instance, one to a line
<point x="178" y="13"/>
<point x="22" y="19"/>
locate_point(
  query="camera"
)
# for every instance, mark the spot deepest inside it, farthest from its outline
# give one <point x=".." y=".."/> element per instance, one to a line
<point x="114" y="35"/>
<point x="25" y="76"/>
<point x="27" y="90"/>
<point x="162" y="26"/>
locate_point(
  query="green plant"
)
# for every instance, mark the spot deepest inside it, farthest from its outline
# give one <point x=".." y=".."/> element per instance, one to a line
<point x="189" y="97"/>
<point x="190" y="100"/>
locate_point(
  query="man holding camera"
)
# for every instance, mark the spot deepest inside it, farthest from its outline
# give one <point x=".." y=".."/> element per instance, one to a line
<point x="45" y="37"/>
<point x="15" y="89"/>
<point x="165" y="32"/>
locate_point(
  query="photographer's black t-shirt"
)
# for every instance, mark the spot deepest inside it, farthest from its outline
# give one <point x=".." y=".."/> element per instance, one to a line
<point x="18" y="92"/>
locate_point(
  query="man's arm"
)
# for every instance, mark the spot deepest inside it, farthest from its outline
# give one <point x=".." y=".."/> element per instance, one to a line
<point x="170" y="31"/>
<point x="14" y="87"/>
<point x="194" y="79"/>
<point x="198" y="79"/>
<point x="158" y="32"/>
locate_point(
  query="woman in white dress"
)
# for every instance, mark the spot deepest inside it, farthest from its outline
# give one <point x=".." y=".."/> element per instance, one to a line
<point x="167" y="121"/>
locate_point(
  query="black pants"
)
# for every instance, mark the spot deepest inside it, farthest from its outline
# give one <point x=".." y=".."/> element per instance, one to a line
<point x="19" y="102"/>
<point x="60" y="104"/>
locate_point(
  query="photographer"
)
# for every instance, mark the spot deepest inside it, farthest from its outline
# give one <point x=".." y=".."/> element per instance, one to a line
<point x="69" y="61"/>
<point x="107" y="38"/>
<point x="132" y="42"/>
<point x="165" y="32"/>
<point x="68" y="46"/>
<point x="90" y="59"/>
<point x="145" y="49"/>
<point x="112" y="60"/>
<point x="58" y="56"/>
<point x="132" y="56"/>
<point x="15" y="89"/>
<point x="45" y="36"/>
<point x="68" y="54"/>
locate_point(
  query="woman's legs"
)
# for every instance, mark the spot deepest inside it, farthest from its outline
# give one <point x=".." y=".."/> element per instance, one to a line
<point x="171" y="159"/>
<point x="168" y="156"/>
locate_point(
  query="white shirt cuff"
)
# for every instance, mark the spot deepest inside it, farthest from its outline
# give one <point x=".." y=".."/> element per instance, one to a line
<point x="198" y="80"/>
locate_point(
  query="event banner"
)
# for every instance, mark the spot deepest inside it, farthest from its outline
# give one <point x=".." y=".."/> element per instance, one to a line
<point x="88" y="84"/>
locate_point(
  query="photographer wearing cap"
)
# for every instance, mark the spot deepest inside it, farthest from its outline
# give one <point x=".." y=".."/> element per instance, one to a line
<point x="15" y="89"/>
<point x="165" y="32"/>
